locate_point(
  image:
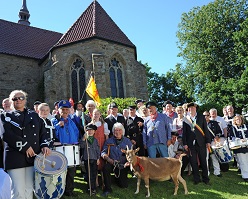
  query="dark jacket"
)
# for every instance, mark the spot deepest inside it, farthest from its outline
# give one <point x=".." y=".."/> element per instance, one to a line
<point x="110" y="120"/>
<point x="191" y="135"/>
<point x="27" y="129"/>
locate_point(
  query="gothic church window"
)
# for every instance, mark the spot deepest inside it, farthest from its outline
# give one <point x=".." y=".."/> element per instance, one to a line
<point x="77" y="80"/>
<point x="116" y="79"/>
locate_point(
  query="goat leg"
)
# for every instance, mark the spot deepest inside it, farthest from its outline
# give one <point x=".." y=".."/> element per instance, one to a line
<point x="147" y="187"/>
<point x="184" y="184"/>
<point x="138" y="185"/>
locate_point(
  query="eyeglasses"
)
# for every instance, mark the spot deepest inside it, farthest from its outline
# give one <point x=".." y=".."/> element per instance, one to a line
<point x="18" y="98"/>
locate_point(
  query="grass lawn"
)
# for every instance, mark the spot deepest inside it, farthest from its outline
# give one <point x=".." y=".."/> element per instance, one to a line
<point x="230" y="186"/>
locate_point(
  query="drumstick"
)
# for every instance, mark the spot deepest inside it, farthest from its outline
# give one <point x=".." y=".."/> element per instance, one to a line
<point x="53" y="163"/>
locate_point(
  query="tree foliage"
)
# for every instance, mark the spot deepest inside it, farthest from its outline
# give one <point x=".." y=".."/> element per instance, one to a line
<point x="213" y="42"/>
<point x="164" y="87"/>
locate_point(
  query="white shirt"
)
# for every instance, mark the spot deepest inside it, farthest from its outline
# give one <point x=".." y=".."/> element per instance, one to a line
<point x="106" y="130"/>
<point x="5" y="185"/>
<point x="1" y="129"/>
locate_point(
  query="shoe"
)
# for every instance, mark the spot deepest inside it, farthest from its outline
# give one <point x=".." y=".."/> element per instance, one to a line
<point x="220" y="175"/>
<point x="207" y="183"/>
<point x="245" y="179"/>
<point x="105" y="193"/>
<point x="68" y="194"/>
<point x="196" y="182"/>
<point x="239" y="171"/>
<point x="93" y="192"/>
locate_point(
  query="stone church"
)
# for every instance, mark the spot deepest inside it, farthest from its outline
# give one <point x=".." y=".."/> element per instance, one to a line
<point x="51" y="66"/>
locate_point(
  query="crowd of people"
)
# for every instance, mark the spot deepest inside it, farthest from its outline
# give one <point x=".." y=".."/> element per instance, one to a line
<point x="25" y="133"/>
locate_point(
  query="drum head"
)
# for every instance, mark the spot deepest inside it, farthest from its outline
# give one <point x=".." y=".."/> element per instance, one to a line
<point x="54" y="164"/>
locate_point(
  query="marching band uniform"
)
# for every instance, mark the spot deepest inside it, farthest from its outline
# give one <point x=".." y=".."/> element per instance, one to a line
<point x="23" y="129"/>
<point x="242" y="152"/>
<point x="215" y="130"/>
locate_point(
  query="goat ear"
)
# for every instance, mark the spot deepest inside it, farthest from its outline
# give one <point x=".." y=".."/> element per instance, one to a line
<point x="136" y="150"/>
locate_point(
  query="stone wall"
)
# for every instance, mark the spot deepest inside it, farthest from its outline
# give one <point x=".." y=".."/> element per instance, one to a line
<point x="57" y="78"/>
<point x="22" y="74"/>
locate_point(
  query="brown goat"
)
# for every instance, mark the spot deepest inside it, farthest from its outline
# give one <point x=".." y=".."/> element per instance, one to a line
<point x="159" y="169"/>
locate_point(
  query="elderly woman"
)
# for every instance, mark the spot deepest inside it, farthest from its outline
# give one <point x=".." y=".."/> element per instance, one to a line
<point x="25" y="137"/>
<point x="239" y="131"/>
<point x="115" y="160"/>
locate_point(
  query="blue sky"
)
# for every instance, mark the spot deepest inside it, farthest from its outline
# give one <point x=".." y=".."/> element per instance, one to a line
<point x="150" y="24"/>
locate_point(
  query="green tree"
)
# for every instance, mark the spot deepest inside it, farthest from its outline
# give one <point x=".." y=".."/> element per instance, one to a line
<point x="213" y="43"/>
<point x="164" y="87"/>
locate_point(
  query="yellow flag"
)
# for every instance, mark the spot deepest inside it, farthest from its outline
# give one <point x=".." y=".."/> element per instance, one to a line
<point x="92" y="91"/>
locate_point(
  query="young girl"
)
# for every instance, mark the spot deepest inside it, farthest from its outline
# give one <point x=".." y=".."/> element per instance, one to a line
<point x="90" y="156"/>
<point x="101" y="133"/>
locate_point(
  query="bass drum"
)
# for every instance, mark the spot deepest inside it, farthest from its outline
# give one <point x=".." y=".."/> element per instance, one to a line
<point x="50" y="175"/>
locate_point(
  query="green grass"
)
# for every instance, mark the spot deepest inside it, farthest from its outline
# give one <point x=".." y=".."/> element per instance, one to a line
<point x="229" y="186"/>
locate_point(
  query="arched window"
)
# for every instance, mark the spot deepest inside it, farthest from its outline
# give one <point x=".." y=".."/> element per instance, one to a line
<point x="116" y="79"/>
<point x="77" y="80"/>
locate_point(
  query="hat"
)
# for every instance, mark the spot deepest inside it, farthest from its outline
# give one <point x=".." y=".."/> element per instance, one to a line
<point x="90" y="127"/>
<point x="132" y="107"/>
<point x="192" y="104"/>
<point x="64" y="104"/>
<point x="55" y="103"/>
<point x="113" y="105"/>
<point x="167" y="102"/>
<point x="79" y="102"/>
<point x="149" y="104"/>
<point x="37" y="103"/>
<point x="139" y="100"/>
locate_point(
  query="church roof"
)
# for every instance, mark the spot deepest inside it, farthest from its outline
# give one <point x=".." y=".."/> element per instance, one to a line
<point x="95" y="23"/>
<point x="22" y="40"/>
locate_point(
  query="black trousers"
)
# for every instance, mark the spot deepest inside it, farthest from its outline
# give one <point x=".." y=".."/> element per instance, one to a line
<point x="93" y="173"/>
<point x="201" y="153"/>
<point x="71" y="172"/>
<point x="120" y="176"/>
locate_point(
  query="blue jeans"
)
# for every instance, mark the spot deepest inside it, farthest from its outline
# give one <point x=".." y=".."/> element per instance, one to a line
<point x="160" y="148"/>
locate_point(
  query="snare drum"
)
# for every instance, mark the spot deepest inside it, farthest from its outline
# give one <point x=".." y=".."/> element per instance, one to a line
<point x="50" y="178"/>
<point x="218" y="143"/>
<point x="235" y="143"/>
<point x="223" y="153"/>
<point x="71" y="152"/>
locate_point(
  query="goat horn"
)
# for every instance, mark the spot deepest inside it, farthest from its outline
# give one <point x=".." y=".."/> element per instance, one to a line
<point x="127" y="147"/>
<point x="132" y="147"/>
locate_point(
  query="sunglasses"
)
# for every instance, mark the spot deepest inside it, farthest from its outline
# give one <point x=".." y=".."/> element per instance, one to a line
<point x="206" y="115"/>
<point x="18" y="98"/>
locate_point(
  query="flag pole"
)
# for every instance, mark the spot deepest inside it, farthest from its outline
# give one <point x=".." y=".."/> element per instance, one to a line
<point x="91" y="74"/>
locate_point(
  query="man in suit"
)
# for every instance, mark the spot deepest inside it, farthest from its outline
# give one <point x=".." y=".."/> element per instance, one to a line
<point x="134" y="130"/>
<point x="114" y="117"/>
<point x="196" y="140"/>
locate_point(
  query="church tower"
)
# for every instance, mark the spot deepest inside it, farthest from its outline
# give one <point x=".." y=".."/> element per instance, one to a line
<point x="24" y="14"/>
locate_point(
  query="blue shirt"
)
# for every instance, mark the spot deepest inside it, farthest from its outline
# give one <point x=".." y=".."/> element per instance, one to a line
<point x="67" y="134"/>
<point x="157" y="131"/>
<point x="115" y="152"/>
